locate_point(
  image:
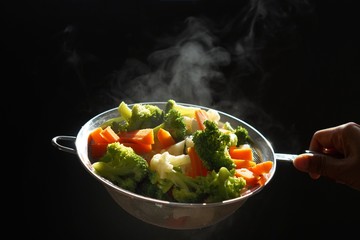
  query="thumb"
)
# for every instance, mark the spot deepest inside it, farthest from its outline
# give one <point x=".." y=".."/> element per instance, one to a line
<point x="317" y="165"/>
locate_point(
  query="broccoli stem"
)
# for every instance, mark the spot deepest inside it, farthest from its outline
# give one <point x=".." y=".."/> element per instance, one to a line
<point x="125" y="111"/>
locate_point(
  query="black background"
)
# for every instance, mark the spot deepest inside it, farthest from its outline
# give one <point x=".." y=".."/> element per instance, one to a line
<point x="301" y="74"/>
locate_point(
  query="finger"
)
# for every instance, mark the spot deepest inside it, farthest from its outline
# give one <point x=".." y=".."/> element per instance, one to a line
<point x="301" y="162"/>
<point x="324" y="139"/>
<point x="331" y="140"/>
<point x="318" y="165"/>
<point x="314" y="175"/>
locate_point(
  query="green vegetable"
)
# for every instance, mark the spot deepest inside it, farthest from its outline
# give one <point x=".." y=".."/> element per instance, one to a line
<point x="222" y="185"/>
<point x="121" y="123"/>
<point x="242" y="135"/>
<point x="149" y="187"/>
<point x="124" y="111"/>
<point x="117" y="124"/>
<point x="185" y="189"/>
<point x="215" y="187"/>
<point x="142" y="116"/>
<point x="212" y="146"/>
<point x="174" y="124"/>
<point x="122" y="166"/>
<point x="184" y="110"/>
<point x="170" y="177"/>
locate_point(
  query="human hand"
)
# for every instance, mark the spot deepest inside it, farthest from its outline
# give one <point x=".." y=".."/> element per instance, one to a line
<point x="340" y="158"/>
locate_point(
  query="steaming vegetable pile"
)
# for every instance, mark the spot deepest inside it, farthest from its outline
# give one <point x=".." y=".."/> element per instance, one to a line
<point x="179" y="153"/>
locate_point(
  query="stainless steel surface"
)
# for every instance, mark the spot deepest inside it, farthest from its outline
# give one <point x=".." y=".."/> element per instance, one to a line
<point x="56" y="142"/>
<point x="285" y="156"/>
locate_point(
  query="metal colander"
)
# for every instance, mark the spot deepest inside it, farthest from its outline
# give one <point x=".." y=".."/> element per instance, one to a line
<point x="172" y="215"/>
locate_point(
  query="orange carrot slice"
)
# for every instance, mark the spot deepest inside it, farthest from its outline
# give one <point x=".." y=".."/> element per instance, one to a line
<point x="262" y="167"/>
<point x="139" y="148"/>
<point x="109" y="134"/>
<point x="240" y="163"/>
<point x="97" y="150"/>
<point x="262" y="180"/>
<point x="165" y="138"/>
<point x="96" y="137"/>
<point x="144" y="136"/>
<point x="244" y="153"/>
<point x="197" y="166"/>
<point x="250" y="177"/>
<point x="201" y="116"/>
<point x="99" y="139"/>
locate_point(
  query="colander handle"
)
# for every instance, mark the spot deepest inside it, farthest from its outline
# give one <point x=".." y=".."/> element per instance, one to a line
<point x="285" y="156"/>
<point x="55" y="142"/>
<point x="290" y="157"/>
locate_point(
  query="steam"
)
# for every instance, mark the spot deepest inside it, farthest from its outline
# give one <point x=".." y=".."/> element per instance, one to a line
<point x="208" y="63"/>
<point x="183" y="72"/>
<point x="216" y="62"/>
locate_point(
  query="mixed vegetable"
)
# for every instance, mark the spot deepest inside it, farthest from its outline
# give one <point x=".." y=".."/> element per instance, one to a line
<point x="179" y="153"/>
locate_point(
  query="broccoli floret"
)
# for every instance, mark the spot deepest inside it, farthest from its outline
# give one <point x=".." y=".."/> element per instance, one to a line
<point x="121" y="123"/>
<point x="214" y="187"/>
<point x="149" y="187"/>
<point x="185" y="189"/>
<point x="242" y="135"/>
<point x="222" y="185"/>
<point x="122" y="166"/>
<point x="117" y="124"/>
<point x="213" y="147"/>
<point x="184" y="110"/>
<point x="174" y="123"/>
<point x="145" y="116"/>
<point x="178" y="186"/>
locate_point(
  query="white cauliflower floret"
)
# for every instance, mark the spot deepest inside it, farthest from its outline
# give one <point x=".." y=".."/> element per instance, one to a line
<point x="177" y="148"/>
<point x="213" y="115"/>
<point x="233" y="139"/>
<point x="164" y="162"/>
<point x="189" y="142"/>
<point x="191" y="124"/>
